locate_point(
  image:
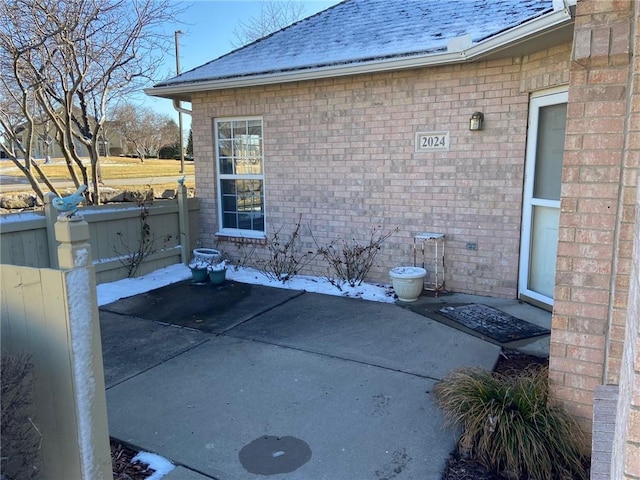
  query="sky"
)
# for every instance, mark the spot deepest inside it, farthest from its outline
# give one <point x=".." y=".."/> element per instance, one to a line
<point x="208" y="27"/>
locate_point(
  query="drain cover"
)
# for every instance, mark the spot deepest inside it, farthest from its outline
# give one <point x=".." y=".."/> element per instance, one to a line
<point x="270" y="455"/>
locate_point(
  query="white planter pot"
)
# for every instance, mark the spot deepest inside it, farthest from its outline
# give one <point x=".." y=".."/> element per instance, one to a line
<point x="206" y="256"/>
<point x="407" y="282"/>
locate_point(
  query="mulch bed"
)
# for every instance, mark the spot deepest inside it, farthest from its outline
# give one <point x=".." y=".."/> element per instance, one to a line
<point x="121" y="466"/>
<point x="457" y="467"/>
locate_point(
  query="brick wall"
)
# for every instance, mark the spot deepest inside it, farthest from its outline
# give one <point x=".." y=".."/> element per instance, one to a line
<point x="341" y="153"/>
<point x="626" y="451"/>
<point x="597" y="220"/>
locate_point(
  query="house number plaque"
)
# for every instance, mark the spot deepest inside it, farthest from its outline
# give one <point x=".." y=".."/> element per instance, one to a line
<point x="432" y="141"/>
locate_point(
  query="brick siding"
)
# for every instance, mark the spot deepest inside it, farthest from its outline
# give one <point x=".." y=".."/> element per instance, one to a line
<point x="626" y="451"/>
<point x="340" y="152"/>
<point x="598" y="215"/>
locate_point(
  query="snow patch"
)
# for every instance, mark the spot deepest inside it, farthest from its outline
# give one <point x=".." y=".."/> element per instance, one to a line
<point x="82" y="257"/>
<point x="161" y="465"/>
<point x="81" y="330"/>
<point x="128" y="287"/>
<point x="20" y="217"/>
<point x="218" y="267"/>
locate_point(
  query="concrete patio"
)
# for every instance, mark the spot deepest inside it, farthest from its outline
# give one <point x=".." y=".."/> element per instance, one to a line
<point x="199" y="374"/>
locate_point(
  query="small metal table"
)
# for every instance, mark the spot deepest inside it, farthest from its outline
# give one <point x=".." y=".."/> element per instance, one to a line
<point x="431" y="246"/>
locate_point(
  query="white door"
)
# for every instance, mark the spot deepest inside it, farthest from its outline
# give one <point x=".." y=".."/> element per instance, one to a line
<point x="541" y="206"/>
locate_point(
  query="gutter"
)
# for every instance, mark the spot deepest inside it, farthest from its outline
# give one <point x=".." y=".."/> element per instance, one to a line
<point x="177" y="106"/>
<point x="527" y="31"/>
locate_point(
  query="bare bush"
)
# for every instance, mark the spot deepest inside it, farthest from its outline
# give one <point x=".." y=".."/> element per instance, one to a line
<point x="245" y="256"/>
<point x="135" y="255"/>
<point x="286" y="258"/>
<point x="351" y="261"/>
<point x="21" y="439"/>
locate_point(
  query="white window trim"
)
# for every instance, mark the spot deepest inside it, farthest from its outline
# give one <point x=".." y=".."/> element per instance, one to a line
<point x="237" y="232"/>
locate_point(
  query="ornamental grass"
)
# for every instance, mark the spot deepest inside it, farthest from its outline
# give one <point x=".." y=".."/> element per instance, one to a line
<point x="511" y="426"/>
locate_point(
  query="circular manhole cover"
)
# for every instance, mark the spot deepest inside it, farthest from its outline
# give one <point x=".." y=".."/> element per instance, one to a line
<point x="269" y="455"/>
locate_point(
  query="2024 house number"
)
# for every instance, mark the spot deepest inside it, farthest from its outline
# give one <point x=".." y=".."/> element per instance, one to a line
<point x="430" y="141"/>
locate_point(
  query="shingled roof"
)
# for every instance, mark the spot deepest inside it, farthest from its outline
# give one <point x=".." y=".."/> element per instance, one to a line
<point x="376" y="34"/>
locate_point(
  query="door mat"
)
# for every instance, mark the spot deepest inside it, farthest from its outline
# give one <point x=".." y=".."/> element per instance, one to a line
<point x="488" y="322"/>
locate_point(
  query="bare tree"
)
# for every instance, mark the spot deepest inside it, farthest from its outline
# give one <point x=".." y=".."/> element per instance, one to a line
<point x="47" y="140"/>
<point x="72" y="59"/>
<point x="145" y="129"/>
<point x="273" y="16"/>
<point x="18" y="129"/>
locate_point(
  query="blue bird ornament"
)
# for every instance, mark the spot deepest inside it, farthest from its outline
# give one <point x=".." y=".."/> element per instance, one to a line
<point x="68" y="205"/>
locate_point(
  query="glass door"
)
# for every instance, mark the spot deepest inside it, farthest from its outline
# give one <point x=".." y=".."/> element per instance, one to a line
<point x="541" y="205"/>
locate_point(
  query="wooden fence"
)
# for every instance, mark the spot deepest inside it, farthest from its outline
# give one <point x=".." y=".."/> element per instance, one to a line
<point x="52" y="316"/>
<point x="115" y="230"/>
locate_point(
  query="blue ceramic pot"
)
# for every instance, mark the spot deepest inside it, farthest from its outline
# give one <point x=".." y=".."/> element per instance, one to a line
<point x="199" y="275"/>
<point x="216" y="277"/>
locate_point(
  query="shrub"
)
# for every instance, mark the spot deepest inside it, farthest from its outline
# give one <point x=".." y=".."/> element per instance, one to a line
<point x="245" y="253"/>
<point x="20" y="437"/>
<point x="169" y="151"/>
<point x="285" y="257"/>
<point x="510" y="425"/>
<point x="350" y="262"/>
<point x="133" y="255"/>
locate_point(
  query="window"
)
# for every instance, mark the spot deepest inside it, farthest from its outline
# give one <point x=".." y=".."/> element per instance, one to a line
<point x="239" y="156"/>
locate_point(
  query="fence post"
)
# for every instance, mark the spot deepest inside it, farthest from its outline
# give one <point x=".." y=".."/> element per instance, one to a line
<point x="74" y="249"/>
<point x="50" y="214"/>
<point x="85" y="347"/>
<point x="183" y="219"/>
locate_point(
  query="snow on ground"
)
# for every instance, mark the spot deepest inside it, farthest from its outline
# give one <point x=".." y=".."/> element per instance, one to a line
<point x="128" y="287"/>
<point x="161" y="465"/>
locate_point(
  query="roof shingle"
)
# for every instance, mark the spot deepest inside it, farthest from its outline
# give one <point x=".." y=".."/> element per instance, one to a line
<point x="358" y="31"/>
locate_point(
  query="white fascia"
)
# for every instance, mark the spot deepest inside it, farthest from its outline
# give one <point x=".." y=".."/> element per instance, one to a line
<point x="538" y="26"/>
<point x="519" y="34"/>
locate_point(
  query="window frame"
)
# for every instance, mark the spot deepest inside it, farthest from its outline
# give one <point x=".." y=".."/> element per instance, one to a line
<point x="238" y="232"/>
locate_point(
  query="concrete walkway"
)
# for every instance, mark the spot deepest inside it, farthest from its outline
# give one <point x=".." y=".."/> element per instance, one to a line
<point x="21" y="184"/>
<point x="293" y="385"/>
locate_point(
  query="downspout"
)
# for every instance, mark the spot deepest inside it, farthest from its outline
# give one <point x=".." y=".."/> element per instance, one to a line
<point x="178" y="108"/>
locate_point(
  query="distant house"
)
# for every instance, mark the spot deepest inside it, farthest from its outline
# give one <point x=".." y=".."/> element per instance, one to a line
<point x="111" y="142"/>
<point x="361" y="116"/>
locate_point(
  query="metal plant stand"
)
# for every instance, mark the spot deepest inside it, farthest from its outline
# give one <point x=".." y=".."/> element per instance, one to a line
<point x="431" y="246"/>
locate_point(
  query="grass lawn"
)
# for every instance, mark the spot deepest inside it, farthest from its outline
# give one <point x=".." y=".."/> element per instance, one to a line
<point x="117" y="169"/>
<point x="114" y="168"/>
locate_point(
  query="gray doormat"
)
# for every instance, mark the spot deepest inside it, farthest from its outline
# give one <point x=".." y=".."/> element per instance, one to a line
<point x="488" y="322"/>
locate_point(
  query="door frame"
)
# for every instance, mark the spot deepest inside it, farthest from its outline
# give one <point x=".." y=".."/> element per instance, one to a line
<point x="536" y="101"/>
